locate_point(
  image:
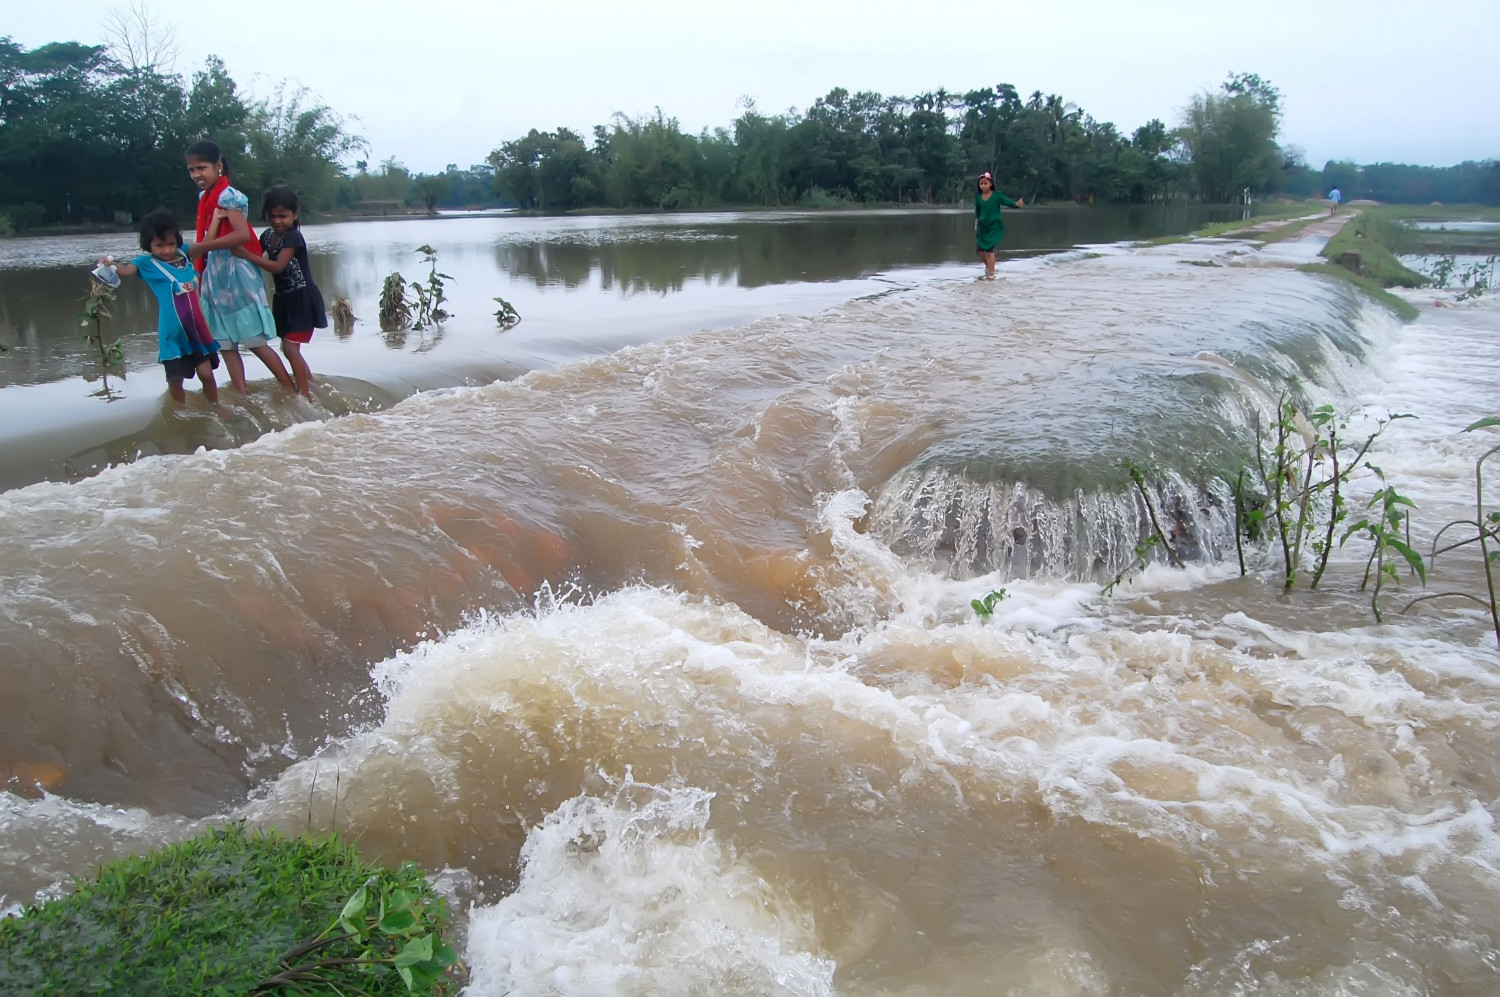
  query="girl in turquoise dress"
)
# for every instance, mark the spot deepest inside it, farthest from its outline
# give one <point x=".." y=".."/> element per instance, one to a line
<point x="166" y="270"/>
<point x="233" y="294"/>
<point x="989" y="229"/>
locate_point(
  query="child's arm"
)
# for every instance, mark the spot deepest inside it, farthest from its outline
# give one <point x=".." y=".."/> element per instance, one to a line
<point x="239" y="232"/>
<point x="123" y="269"/>
<point x="279" y="264"/>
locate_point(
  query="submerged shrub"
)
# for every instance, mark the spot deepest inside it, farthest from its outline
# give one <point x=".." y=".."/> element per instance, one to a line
<point x="231" y="912"/>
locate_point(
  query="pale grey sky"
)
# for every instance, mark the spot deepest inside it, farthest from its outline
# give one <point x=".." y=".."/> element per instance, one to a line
<point x="445" y="81"/>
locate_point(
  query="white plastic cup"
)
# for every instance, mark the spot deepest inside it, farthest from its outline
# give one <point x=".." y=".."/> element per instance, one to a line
<point x="105" y="274"/>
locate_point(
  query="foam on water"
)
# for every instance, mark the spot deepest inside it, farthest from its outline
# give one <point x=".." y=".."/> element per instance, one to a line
<point x="755" y="755"/>
<point x="630" y="893"/>
<point x="46" y="841"/>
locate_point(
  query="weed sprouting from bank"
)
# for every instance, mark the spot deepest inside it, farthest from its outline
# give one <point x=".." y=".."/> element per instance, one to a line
<point x="430" y="293"/>
<point x="419" y="304"/>
<point x="1389" y="532"/>
<point x="1293" y="496"/>
<point x="342" y="313"/>
<point x="1153" y="540"/>
<point x="395" y="310"/>
<point x="1475" y="279"/>
<point x="506" y="315"/>
<point x="233" y="912"/>
<point x="985" y="608"/>
<point x="1303" y="465"/>
<point x="112" y="354"/>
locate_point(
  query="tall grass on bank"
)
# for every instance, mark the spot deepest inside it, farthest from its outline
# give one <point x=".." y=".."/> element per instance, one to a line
<point x="1374" y="238"/>
<point x="231" y="912"/>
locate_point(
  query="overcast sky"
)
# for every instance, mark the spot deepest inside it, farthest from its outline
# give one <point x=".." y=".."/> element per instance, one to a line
<point x="445" y="81"/>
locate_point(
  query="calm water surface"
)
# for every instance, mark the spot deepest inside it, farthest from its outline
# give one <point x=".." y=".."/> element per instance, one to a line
<point x="584" y="286"/>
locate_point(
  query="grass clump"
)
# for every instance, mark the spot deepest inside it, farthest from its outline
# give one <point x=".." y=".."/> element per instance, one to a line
<point x="1375" y="239"/>
<point x="231" y="912"/>
<point x="1405" y="309"/>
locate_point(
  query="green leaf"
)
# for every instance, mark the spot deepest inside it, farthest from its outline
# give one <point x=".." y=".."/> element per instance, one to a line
<point x="1485" y="423"/>
<point x="356" y="905"/>
<point x="398" y="921"/>
<point x="1412" y="558"/>
<point x="1363" y="524"/>
<point x="406" y="978"/>
<point x="415" y="951"/>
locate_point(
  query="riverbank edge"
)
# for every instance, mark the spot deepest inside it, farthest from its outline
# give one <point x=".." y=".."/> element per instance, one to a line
<point x="230" y="910"/>
<point x="1301" y="213"/>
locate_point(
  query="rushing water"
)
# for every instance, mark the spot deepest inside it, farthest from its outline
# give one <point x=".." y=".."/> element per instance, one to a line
<point x="585" y="286"/>
<point x="665" y="656"/>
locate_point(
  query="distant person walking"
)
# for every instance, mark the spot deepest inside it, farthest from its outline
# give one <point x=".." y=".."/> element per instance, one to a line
<point x="989" y="229"/>
<point x="1334" y="197"/>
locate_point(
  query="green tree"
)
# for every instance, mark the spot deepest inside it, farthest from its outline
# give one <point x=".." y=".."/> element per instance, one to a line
<point x="296" y="139"/>
<point x="1344" y="176"/>
<point x="429" y="189"/>
<point x="1229" y="138"/>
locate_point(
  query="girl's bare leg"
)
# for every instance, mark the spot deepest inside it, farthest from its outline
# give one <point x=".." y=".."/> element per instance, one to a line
<point x="274" y="365"/>
<point x="206" y="378"/>
<point x="989" y="264"/>
<point x="174" y="388"/>
<point x="235" y="365"/>
<point x="300" y="370"/>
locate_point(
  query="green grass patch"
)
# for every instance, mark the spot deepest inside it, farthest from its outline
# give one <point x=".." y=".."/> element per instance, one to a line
<point x="1271" y="212"/>
<point x="230" y="912"/>
<point x="1375" y="238"/>
<point x="1400" y="306"/>
<point x="1437" y="212"/>
<point x="1415" y="241"/>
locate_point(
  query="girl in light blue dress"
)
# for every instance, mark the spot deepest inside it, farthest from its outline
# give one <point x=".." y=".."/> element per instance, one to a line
<point x="233" y="294"/>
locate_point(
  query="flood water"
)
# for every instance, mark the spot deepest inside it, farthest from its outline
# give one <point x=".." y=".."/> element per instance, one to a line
<point x="662" y="657"/>
<point x="584" y="286"/>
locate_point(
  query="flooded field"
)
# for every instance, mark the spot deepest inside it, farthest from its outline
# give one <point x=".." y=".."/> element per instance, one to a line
<point x="663" y="656"/>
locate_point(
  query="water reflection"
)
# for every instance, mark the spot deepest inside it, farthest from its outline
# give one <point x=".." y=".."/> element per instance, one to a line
<point x="755" y="251"/>
<point x="43" y="280"/>
<point x="585" y="286"/>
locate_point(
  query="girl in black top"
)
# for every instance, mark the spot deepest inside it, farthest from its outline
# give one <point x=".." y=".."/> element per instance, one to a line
<point x="296" y="303"/>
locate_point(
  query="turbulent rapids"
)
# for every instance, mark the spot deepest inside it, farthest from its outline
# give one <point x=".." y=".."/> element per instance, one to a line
<point x="667" y="658"/>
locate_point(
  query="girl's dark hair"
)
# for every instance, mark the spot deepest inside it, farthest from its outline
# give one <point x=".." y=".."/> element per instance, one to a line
<point x="280" y="196"/>
<point x="159" y="225"/>
<point x="986" y="176"/>
<point x="208" y="151"/>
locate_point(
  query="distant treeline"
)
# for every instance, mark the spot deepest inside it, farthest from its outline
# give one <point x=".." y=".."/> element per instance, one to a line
<point x="94" y="134"/>
<point x="1397" y="183"/>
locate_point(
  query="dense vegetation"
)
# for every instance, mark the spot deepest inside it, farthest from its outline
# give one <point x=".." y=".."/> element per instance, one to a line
<point x="229" y="912"/>
<point x="93" y="134"/>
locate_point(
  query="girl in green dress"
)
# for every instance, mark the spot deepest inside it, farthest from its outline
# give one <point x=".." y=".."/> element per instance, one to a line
<point x="988" y="228"/>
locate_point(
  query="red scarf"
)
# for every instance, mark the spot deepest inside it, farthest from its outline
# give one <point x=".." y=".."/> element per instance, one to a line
<point x="207" y="205"/>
